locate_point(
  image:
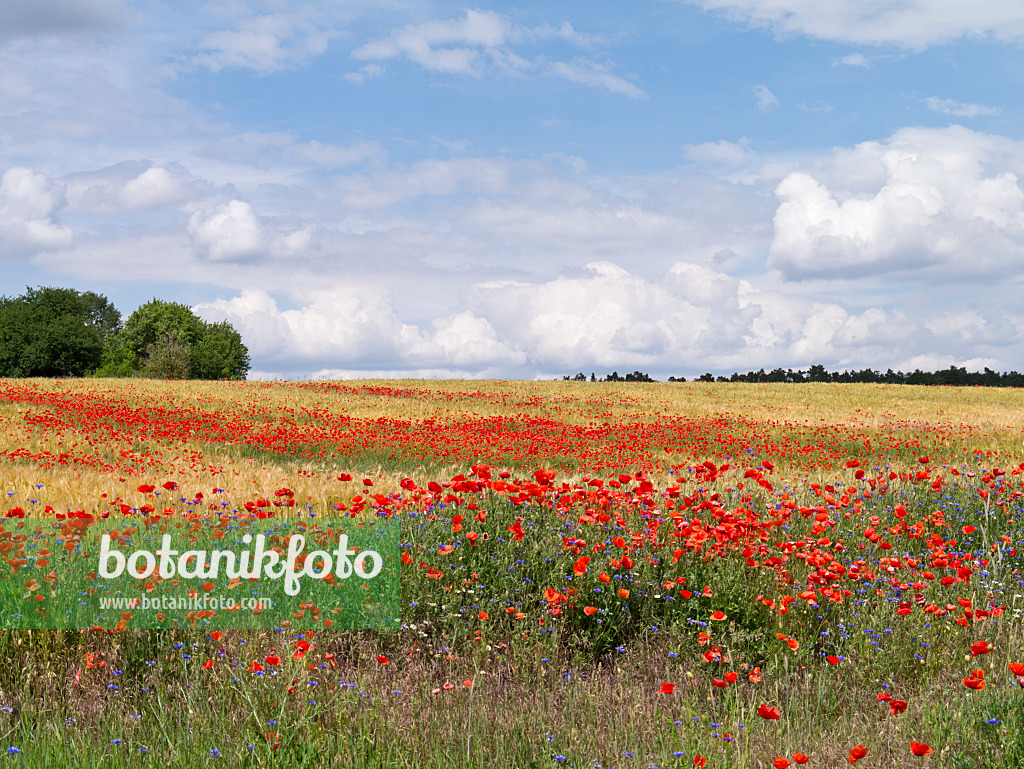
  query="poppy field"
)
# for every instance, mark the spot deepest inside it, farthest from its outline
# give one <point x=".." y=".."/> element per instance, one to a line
<point x="591" y="574"/>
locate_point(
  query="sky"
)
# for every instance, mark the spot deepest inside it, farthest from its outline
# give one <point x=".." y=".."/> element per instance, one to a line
<point x="407" y="188"/>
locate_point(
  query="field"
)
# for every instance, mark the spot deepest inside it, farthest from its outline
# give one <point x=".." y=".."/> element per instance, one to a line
<point x="592" y="574"/>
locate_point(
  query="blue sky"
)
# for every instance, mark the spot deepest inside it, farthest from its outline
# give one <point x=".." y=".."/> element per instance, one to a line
<point x="446" y="190"/>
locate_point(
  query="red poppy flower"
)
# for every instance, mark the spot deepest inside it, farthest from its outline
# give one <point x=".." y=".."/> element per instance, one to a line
<point x="273" y="659"/>
<point x="699" y="760"/>
<point x="800" y="758"/>
<point x="382" y="659"/>
<point x="588" y="610"/>
<point x="1017" y="668"/>
<point x="667" y="688"/>
<point x="919" y="748"/>
<point x="857" y="752"/>
<point x="897" y="707"/>
<point x="772" y="714"/>
<point x="718" y="615"/>
<point x="981" y="647"/>
<point x="780" y="763"/>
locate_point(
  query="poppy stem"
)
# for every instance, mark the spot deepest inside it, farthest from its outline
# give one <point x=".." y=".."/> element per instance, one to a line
<point x="469" y="734"/>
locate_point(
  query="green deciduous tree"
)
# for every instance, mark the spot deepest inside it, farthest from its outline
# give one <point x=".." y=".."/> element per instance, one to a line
<point x="55" y="332"/>
<point x="219" y="353"/>
<point x="166" y="340"/>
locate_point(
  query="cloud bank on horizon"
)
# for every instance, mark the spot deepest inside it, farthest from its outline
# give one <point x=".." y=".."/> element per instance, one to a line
<point x="436" y="190"/>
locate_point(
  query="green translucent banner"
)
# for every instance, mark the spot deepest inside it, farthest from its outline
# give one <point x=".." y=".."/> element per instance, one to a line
<point x="216" y="572"/>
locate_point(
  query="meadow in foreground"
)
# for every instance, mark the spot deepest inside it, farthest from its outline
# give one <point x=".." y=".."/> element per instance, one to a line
<point x="593" y="575"/>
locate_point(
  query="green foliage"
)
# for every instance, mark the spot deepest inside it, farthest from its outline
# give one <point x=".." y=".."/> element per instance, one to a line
<point x="167" y="358"/>
<point x="55" y="332"/>
<point x="117" y="360"/>
<point x="219" y="353"/>
<point x="51" y="332"/>
<point x="166" y="340"/>
<point x="155" y="322"/>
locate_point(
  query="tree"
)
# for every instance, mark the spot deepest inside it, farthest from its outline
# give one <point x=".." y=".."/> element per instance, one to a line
<point x="168" y="358"/>
<point x="220" y="353"/>
<point x="166" y="340"/>
<point x="55" y="332"/>
<point x="817" y="373"/>
<point x="638" y="376"/>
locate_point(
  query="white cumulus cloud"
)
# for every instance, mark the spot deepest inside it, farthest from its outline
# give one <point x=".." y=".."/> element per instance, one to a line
<point x="689" y="319"/>
<point x="231" y="231"/>
<point x="923" y="197"/>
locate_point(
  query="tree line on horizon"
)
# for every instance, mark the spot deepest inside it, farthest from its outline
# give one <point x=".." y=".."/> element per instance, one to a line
<point x="954" y="376"/>
<point x="61" y="332"/>
<point x="636" y="376"/>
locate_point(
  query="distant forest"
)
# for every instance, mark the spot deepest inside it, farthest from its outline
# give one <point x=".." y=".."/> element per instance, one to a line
<point x="951" y="377"/>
